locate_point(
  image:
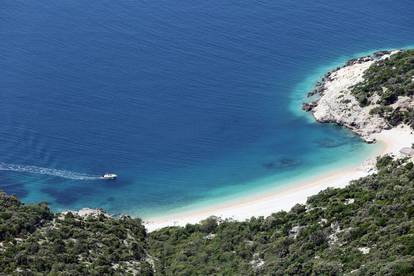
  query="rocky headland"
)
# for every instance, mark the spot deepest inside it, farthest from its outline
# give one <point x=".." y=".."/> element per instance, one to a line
<point x="334" y="98"/>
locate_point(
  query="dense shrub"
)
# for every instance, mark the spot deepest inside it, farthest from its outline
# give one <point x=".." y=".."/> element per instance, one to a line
<point x="389" y="79"/>
<point x="36" y="241"/>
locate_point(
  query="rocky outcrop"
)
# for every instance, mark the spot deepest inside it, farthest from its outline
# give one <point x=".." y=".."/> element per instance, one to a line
<point x="336" y="104"/>
<point x="88" y="212"/>
<point x="309" y="106"/>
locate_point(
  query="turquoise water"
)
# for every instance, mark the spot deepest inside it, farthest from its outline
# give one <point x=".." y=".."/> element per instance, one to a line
<point x="275" y="183"/>
<point x="190" y="103"/>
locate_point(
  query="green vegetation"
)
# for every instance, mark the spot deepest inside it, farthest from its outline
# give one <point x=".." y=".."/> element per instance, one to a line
<point x="366" y="228"/>
<point x="328" y="236"/>
<point x="34" y="241"/>
<point x="384" y="82"/>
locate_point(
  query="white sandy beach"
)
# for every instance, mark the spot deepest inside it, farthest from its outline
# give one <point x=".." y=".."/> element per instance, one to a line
<point x="336" y="104"/>
<point x="391" y="142"/>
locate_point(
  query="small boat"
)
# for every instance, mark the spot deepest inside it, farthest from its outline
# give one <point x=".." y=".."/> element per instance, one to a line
<point x="370" y="140"/>
<point x="110" y="176"/>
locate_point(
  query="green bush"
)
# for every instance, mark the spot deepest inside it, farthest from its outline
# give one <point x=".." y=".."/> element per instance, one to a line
<point x="389" y="79"/>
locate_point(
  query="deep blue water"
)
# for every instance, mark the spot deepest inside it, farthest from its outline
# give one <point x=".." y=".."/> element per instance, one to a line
<point x="185" y="100"/>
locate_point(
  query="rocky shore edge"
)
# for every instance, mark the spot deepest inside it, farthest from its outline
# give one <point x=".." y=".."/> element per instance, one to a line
<point x="331" y="100"/>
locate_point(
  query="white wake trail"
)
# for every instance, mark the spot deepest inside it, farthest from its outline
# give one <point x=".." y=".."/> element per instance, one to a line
<point x="46" y="171"/>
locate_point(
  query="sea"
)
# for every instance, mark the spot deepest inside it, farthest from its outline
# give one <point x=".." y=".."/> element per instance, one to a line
<point x="189" y="102"/>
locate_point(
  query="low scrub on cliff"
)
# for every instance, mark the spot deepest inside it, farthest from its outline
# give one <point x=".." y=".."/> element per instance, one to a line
<point x="34" y="241"/>
<point x="384" y="82"/>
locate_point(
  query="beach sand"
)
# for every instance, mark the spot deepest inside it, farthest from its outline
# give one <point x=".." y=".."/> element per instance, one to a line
<point x="284" y="198"/>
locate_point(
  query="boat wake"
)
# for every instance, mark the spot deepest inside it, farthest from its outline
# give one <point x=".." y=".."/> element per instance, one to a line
<point x="46" y="171"/>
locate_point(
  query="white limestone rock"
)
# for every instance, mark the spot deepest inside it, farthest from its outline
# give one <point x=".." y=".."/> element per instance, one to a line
<point x="338" y="105"/>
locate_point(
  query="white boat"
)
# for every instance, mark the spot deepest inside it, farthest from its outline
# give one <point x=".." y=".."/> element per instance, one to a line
<point x="110" y="176"/>
<point x="370" y="140"/>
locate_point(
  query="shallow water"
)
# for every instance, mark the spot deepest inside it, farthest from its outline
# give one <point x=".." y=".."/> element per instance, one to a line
<point x="187" y="102"/>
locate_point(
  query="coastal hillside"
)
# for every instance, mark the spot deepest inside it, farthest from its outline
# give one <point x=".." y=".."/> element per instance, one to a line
<point x="366" y="228"/>
<point x="35" y="241"/>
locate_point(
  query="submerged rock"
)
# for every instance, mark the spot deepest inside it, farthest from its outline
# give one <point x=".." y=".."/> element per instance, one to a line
<point x="283" y="163"/>
<point x="330" y="143"/>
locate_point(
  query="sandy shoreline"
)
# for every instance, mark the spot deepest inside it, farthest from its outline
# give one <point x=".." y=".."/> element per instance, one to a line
<point x="336" y="104"/>
<point x="391" y="142"/>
